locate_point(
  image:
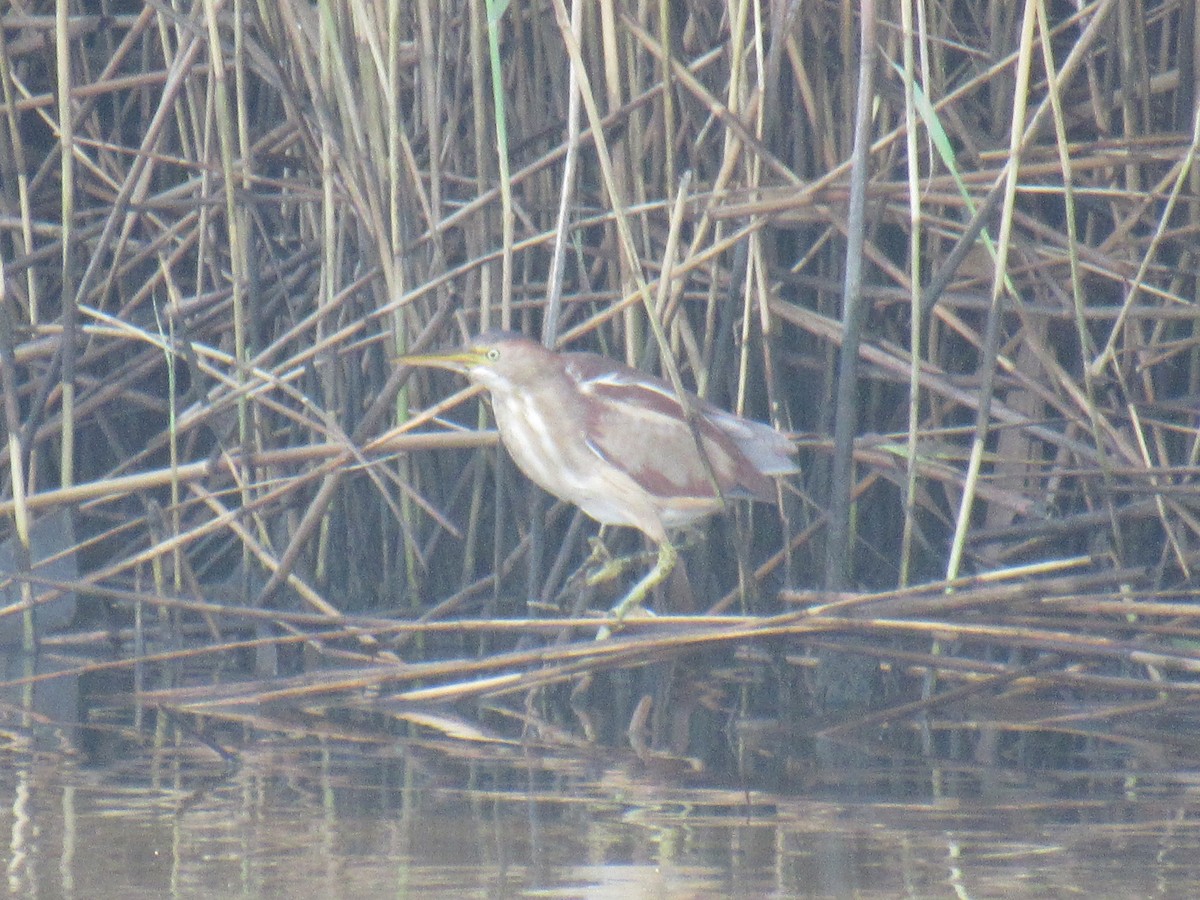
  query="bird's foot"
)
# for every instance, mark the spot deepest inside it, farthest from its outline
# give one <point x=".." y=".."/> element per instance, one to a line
<point x="598" y="561"/>
<point x="585" y="576"/>
<point x="640" y="591"/>
<point x="601" y="566"/>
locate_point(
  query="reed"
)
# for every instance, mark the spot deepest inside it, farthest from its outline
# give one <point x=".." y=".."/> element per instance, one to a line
<point x="221" y="225"/>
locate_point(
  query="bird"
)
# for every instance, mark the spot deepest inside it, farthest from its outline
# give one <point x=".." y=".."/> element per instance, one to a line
<point x="616" y="442"/>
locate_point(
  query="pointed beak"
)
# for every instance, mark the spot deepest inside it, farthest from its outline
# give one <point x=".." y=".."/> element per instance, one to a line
<point x="453" y="360"/>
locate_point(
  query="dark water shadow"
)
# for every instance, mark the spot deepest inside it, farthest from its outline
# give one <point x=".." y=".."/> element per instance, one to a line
<point x="52" y="553"/>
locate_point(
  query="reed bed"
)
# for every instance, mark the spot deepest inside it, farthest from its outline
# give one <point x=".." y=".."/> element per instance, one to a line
<point x="950" y="249"/>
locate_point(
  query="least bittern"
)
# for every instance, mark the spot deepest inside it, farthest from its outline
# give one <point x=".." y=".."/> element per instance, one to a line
<point x="616" y="442"/>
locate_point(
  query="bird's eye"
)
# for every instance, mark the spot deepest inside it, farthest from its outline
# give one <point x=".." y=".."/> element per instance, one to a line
<point x="493" y="354"/>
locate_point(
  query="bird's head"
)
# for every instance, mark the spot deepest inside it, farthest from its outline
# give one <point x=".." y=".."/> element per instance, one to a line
<point x="501" y="361"/>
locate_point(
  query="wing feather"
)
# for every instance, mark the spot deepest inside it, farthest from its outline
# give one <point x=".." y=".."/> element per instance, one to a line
<point x="635" y="422"/>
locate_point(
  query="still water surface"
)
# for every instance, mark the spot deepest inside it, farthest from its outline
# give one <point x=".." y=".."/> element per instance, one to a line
<point x="124" y="801"/>
<point x="304" y="818"/>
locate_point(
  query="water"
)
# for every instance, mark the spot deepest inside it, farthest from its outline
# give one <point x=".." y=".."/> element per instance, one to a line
<point x="353" y="793"/>
<point x="166" y="813"/>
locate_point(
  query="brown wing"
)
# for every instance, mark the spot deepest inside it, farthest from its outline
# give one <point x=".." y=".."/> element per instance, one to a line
<point x="636" y="423"/>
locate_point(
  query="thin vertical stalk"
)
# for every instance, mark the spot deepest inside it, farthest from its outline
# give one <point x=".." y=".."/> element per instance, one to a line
<point x="16" y="464"/>
<point x="991" y="345"/>
<point x="566" y="195"/>
<point x="838" y="565"/>
<point x="20" y="164"/>
<point x="237" y="250"/>
<point x="668" y="96"/>
<point x="66" y="137"/>
<point x="915" y="326"/>
<point x="629" y="279"/>
<point x="398" y="231"/>
<point x="495" y="10"/>
<point x="1087" y="347"/>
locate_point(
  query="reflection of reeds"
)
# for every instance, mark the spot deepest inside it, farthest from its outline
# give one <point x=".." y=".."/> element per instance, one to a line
<point x="196" y="361"/>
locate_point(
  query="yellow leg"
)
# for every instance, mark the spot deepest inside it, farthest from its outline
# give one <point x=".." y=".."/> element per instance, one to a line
<point x="667" y="556"/>
<point x="601" y="566"/>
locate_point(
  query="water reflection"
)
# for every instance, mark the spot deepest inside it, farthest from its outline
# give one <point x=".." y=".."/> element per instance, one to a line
<point x="39" y="700"/>
<point x="374" y="797"/>
<point x="309" y="818"/>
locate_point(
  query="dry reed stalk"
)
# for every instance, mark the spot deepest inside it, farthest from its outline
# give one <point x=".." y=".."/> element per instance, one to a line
<point x="218" y="230"/>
